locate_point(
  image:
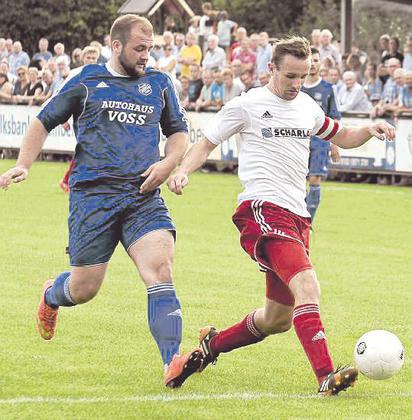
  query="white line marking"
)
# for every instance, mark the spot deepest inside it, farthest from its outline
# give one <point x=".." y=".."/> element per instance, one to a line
<point x="372" y="191"/>
<point x="188" y="397"/>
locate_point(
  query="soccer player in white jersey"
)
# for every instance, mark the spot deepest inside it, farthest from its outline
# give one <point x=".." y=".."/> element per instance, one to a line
<point x="275" y="123"/>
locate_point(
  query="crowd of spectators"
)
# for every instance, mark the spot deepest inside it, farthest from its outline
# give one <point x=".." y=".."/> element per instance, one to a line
<point x="217" y="60"/>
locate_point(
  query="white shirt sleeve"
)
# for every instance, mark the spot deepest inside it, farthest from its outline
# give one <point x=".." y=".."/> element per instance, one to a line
<point x="231" y="119"/>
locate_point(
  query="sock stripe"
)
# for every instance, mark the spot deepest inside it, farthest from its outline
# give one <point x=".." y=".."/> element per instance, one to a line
<point x="66" y="290"/>
<point x="160" y="288"/>
<point x="305" y="309"/>
<point x="250" y="324"/>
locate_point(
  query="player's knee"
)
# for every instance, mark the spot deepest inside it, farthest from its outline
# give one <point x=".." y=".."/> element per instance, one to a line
<point x="159" y="273"/>
<point x="82" y="292"/>
<point x="277" y="324"/>
<point x="305" y="287"/>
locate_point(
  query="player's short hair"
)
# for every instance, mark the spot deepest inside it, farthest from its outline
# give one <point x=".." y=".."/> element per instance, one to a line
<point x="296" y="46"/>
<point x="122" y="26"/>
<point x="314" y="50"/>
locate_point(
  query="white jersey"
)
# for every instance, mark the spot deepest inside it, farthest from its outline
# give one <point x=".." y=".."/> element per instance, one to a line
<point x="274" y="144"/>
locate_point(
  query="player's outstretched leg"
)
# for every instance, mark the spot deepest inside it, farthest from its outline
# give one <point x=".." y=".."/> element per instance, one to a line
<point x="239" y="335"/>
<point x="54" y="294"/>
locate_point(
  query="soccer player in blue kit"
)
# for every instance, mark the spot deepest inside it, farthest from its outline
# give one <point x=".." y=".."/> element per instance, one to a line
<point x="322" y="92"/>
<point x="114" y="194"/>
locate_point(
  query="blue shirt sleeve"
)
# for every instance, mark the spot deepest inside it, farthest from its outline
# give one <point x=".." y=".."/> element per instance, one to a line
<point x="173" y="119"/>
<point x="67" y="102"/>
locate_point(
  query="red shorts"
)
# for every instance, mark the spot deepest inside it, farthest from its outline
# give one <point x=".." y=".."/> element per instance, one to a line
<point x="264" y="225"/>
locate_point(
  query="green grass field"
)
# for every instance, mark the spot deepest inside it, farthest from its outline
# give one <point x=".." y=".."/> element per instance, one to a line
<point x="103" y="362"/>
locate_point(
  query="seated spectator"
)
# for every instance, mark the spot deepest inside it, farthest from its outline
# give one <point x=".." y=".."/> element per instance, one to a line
<point x="407" y="61"/>
<point x="6" y="89"/>
<point x="329" y="63"/>
<point x="240" y="34"/>
<point x="48" y="88"/>
<point x="168" y="41"/>
<point x="390" y="92"/>
<point x="184" y="91"/>
<point x="324" y="73"/>
<point x="335" y="80"/>
<point x="194" y="27"/>
<point x="76" y="58"/>
<point x="254" y="42"/>
<point x="236" y="68"/>
<point x="43" y="54"/>
<point x="315" y="39"/>
<point x="96" y="44"/>
<point x="264" y="53"/>
<point x="231" y="87"/>
<point x="352" y="97"/>
<point x="5" y="68"/>
<point x="35" y="85"/>
<point x="354" y="65"/>
<point x="167" y="63"/>
<point x="215" y="57"/>
<point x="327" y="48"/>
<point x="225" y="27"/>
<point x="21" y="86"/>
<point x="59" y="52"/>
<point x="195" y="86"/>
<point x="217" y="90"/>
<point x="384" y="45"/>
<point x="189" y="54"/>
<point x="106" y="50"/>
<point x="264" y="78"/>
<point x="393" y="51"/>
<point x="373" y="85"/>
<point x="245" y="55"/>
<point x="180" y="44"/>
<point x="405" y="95"/>
<point x="247" y="80"/>
<point x="363" y="57"/>
<point x="89" y="55"/>
<point x="3" y="49"/>
<point x="62" y="72"/>
<point x="204" y="102"/>
<point x="18" y="58"/>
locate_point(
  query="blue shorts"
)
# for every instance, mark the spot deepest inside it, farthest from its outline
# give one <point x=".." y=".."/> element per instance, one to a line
<point x="319" y="158"/>
<point x="100" y="216"/>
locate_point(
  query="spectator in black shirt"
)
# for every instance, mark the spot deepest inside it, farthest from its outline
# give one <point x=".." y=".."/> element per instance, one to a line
<point x="195" y="85"/>
<point x="393" y="51"/>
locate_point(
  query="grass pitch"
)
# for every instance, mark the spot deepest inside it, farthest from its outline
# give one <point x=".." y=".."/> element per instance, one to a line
<point x="103" y="362"/>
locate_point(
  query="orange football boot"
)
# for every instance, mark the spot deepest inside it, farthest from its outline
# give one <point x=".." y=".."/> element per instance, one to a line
<point x="46" y="318"/>
<point x="181" y="367"/>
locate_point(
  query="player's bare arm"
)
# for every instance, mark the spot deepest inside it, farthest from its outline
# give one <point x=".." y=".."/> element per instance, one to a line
<point x="157" y="173"/>
<point x="194" y="159"/>
<point x="30" y="149"/>
<point x="351" y="137"/>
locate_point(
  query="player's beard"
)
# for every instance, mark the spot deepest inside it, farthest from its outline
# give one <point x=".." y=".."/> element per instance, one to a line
<point x="129" y="68"/>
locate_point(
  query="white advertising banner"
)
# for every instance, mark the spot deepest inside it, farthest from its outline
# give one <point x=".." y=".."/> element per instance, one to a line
<point x="375" y="155"/>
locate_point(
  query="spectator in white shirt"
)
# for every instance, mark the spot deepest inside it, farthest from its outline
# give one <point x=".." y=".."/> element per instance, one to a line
<point x="18" y="58"/>
<point x="225" y="27"/>
<point x="215" y="57"/>
<point x="326" y="48"/>
<point x="352" y="96"/>
<point x="205" y="25"/>
<point x="315" y="37"/>
<point x="231" y="88"/>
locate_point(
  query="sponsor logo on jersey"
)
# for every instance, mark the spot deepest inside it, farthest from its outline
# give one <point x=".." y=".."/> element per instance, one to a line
<point x="266" y="115"/>
<point x="301" y="133"/>
<point x="119" y="111"/>
<point x="144" y="88"/>
<point x="102" y="85"/>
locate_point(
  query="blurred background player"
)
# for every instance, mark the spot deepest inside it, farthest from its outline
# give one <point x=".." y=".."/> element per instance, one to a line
<point x="322" y="93"/>
<point x="275" y="124"/>
<point x="114" y="196"/>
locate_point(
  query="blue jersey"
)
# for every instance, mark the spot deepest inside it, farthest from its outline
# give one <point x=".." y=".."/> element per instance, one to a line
<point x="116" y="121"/>
<point x="324" y="96"/>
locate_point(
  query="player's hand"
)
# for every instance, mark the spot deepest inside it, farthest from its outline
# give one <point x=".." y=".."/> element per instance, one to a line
<point x="16" y="174"/>
<point x="382" y="131"/>
<point x="334" y="153"/>
<point x="177" y="182"/>
<point x="155" y="175"/>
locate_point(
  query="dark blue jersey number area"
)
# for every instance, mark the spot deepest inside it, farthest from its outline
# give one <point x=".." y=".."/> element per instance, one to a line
<point x="116" y="121"/>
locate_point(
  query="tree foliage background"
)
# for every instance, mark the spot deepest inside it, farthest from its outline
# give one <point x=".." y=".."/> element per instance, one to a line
<point x="77" y="22"/>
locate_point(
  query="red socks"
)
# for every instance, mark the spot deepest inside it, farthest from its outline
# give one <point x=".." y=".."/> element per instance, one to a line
<point x="239" y="335"/>
<point x="309" y="329"/>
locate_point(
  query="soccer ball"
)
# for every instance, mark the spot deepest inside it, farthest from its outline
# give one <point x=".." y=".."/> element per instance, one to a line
<point x="379" y="354"/>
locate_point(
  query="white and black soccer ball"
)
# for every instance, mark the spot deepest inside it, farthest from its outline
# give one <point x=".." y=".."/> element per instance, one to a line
<point x="379" y="354"/>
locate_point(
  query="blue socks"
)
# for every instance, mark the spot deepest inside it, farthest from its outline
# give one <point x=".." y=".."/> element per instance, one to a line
<point x="313" y="200"/>
<point x="165" y="319"/>
<point x="59" y="293"/>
